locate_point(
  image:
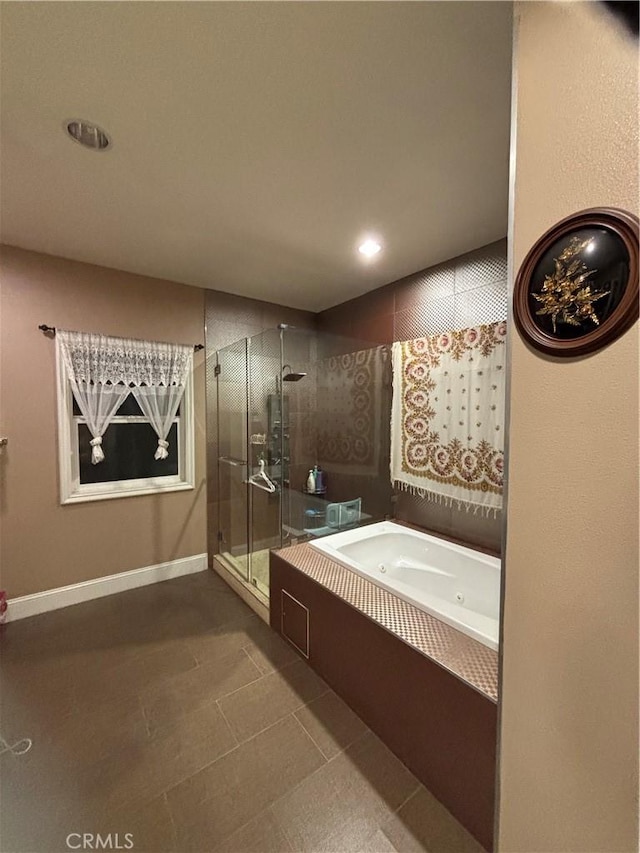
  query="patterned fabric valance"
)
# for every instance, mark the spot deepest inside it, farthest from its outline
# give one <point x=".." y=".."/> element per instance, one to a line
<point x="447" y="423"/>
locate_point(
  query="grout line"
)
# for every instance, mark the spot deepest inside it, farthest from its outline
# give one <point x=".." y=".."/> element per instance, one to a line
<point x="241" y="743"/>
<point x="260" y="669"/>
<point x="195" y="773"/>
<point x="224" y="695"/>
<point x="226" y="720"/>
<point x="269" y="675"/>
<point x="318" y="769"/>
<point x="322" y="752"/>
<point x="283" y="829"/>
<point x="411" y="795"/>
<point x="288" y="713"/>
<point x="247" y="650"/>
<point x="266" y="728"/>
<point x="171" y="820"/>
<point x="305" y="704"/>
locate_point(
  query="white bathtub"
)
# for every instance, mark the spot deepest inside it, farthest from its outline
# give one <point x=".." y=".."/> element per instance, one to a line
<point x="457" y="585"/>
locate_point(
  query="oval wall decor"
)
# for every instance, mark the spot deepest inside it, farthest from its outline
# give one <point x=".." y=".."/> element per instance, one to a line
<point x="577" y="288"/>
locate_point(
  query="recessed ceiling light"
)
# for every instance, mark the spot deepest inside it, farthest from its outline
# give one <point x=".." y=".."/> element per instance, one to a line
<point x="87" y="134"/>
<point x="369" y="248"/>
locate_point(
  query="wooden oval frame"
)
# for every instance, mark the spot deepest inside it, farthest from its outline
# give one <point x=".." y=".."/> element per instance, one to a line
<point x="622" y="223"/>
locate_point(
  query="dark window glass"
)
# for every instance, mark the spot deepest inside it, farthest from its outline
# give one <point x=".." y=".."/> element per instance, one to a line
<point x="129" y="450"/>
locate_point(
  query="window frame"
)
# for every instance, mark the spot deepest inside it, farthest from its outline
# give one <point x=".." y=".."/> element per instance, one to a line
<point x="73" y="491"/>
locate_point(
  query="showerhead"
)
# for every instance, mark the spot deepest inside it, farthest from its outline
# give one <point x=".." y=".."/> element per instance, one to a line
<point x="291" y="376"/>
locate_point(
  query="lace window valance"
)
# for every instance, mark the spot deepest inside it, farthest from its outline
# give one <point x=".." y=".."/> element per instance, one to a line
<point x="101" y="359"/>
<point x="104" y="370"/>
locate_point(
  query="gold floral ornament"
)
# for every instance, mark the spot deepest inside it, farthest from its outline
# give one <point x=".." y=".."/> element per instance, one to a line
<point x="564" y="296"/>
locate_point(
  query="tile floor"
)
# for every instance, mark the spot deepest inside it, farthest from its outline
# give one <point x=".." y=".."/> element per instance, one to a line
<point x="173" y="713"/>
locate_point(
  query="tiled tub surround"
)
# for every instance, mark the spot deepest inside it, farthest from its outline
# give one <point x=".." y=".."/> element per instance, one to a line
<point x="426" y="689"/>
<point x="464" y="291"/>
<point x="466" y="658"/>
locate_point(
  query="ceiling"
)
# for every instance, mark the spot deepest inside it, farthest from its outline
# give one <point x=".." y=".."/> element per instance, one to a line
<point x="255" y="144"/>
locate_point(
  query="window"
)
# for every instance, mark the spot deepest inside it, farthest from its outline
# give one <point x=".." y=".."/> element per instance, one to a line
<point x="129" y="444"/>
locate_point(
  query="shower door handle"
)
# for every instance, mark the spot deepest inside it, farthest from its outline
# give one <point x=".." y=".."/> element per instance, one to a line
<point x="231" y="460"/>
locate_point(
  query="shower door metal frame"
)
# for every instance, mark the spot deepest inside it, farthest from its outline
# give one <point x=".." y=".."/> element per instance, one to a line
<point x="247" y="453"/>
<point x="244" y="463"/>
<point x="250" y="501"/>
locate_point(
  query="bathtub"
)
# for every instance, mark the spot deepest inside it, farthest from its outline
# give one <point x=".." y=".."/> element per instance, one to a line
<point x="456" y="585"/>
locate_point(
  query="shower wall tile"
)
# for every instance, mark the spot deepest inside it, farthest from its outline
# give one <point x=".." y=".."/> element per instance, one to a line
<point x="222" y="332"/>
<point x="238" y="309"/>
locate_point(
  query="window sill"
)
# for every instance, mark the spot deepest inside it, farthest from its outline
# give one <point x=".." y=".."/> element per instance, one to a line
<point x="127" y="492"/>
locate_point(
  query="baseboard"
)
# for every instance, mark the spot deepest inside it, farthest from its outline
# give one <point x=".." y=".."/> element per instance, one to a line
<point x="64" y="596"/>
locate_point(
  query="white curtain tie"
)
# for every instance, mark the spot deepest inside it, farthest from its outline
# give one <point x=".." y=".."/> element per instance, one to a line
<point x="97" y="453"/>
<point x="162" y="452"/>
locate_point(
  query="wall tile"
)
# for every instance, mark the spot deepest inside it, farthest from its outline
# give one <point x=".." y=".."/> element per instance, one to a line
<point x="465" y="291"/>
<point x="482" y="267"/>
<point x="486" y="304"/>
<point x="426" y="318"/>
<point x="336" y="320"/>
<point x="376" y="330"/>
<point x="429" y="284"/>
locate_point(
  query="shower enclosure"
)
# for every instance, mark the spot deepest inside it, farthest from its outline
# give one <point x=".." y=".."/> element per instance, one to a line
<point x="282" y="403"/>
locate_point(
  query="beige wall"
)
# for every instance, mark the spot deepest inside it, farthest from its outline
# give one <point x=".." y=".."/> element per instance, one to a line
<point x="43" y="544"/>
<point x="569" y="733"/>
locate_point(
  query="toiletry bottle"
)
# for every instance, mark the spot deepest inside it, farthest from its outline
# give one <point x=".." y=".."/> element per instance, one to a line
<point x="320" y="479"/>
<point x="311" y="482"/>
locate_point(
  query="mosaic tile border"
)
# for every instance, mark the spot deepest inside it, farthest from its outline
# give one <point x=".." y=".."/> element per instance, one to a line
<point x="467" y="659"/>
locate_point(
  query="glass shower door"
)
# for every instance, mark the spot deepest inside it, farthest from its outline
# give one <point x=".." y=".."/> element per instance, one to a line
<point x="233" y="535"/>
<point x="267" y="428"/>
